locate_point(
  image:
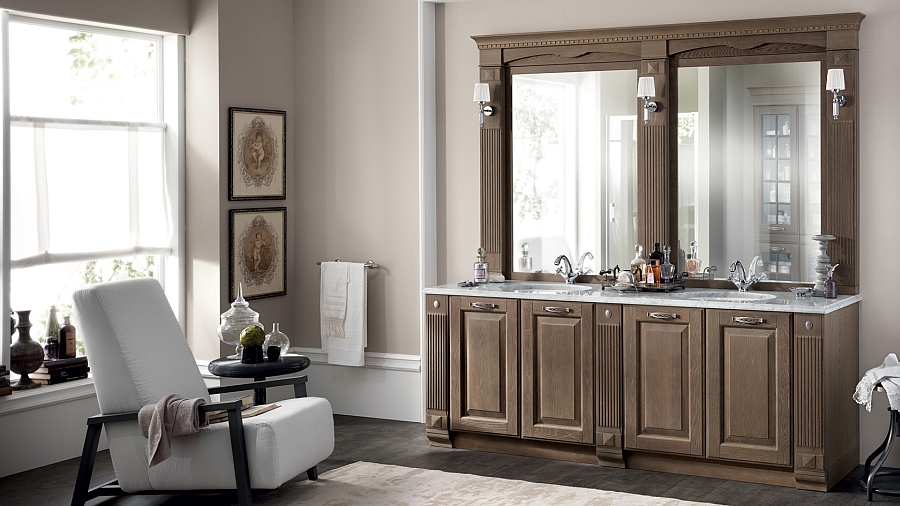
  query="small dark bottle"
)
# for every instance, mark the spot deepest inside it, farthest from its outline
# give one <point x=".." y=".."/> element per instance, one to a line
<point x="51" y="349"/>
<point x="67" y="339"/>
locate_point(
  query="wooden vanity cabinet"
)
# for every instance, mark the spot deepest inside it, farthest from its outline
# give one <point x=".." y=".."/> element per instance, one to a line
<point x="748" y="386"/>
<point x="663" y="379"/>
<point x="484" y="358"/>
<point x="557" y="371"/>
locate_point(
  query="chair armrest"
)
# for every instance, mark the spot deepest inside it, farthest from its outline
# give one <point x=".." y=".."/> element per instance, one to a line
<point x="111" y="418"/>
<point x="257" y="384"/>
<point x="234" y="405"/>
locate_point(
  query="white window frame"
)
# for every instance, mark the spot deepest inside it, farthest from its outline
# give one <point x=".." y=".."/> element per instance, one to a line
<point x="171" y="112"/>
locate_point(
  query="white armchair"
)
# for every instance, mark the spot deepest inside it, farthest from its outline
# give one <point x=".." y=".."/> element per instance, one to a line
<point x="138" y="354"/>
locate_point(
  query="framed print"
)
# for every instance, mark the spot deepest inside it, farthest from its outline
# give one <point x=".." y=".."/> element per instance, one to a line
<point x="256" y="154"/>
<point x="257" y="252"/>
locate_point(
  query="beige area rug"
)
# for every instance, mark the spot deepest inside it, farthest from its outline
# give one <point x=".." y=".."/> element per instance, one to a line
<point x="381" y="484"/>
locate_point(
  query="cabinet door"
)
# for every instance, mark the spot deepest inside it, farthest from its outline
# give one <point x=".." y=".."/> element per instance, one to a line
<point x="663" y="365"/>
<point x="748" y="385"/>
<point x="557" y="371"/>
<point x="484" y="360"/>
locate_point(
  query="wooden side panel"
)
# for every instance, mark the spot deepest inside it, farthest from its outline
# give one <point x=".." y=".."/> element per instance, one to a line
<point x="663" y="363"/>
<point x="494" y="182"/>
<point x="437" y="397"/>
<point x="748" y="387"/>
<point x="557" y="371"/>
<point x="484" y="365"/>
<point x="841" y="369"/>
<point x="809" y="416"/>
<point x="608" y="338"/>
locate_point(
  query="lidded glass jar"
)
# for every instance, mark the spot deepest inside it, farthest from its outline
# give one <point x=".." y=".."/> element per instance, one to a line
<point x="277" y="338"/>
<point x="236" y="319"/>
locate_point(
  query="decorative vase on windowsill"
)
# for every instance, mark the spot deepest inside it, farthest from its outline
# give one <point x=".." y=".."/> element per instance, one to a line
<point x="25" y="355"/>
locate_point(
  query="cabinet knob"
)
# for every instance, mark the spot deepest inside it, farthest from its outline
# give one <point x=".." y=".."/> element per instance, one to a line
<point x="608" y="313"/>
<point x="437" y="304"/>
<point x="809" y="325"/>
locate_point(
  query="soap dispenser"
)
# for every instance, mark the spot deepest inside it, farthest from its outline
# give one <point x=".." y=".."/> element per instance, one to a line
<point x="525" y="264"/>
<point x="831" y="284"/>
<point x="480" y="268"/>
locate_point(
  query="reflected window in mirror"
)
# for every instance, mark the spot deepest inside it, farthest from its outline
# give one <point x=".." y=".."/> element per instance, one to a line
<point x="749" y="176"/>
<point x="574" y="160"/>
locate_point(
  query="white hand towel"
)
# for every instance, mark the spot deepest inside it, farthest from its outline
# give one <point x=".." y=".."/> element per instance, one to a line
<point x="349" y="347"/>
<point x="333" y="300"/>
<point x="888" y="374"/>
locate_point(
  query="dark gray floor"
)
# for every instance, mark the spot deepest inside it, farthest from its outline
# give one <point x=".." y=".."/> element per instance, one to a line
<point x="404" y="443"/>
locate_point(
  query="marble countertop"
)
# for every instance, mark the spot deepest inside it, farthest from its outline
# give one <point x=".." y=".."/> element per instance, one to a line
<point x="783" y="302"/>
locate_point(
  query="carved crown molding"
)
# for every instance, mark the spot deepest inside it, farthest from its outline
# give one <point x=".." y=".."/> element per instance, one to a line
<point x="742" y="28"/>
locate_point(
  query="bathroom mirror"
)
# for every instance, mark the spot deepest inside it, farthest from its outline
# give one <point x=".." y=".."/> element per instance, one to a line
<point x="749" y="174"/>
<point x="574" y="168"/>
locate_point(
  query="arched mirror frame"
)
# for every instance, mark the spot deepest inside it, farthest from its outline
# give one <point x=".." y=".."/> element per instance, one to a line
<point x="658" y="51"/>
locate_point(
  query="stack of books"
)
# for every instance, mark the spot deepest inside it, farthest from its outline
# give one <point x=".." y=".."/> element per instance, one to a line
<point x="5" y="388"/>
<point x="61" y="370"/>
<point x="247" y="410"/>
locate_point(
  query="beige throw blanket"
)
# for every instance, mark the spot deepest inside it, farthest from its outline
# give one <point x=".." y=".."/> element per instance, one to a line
<point x="172" y="416"/>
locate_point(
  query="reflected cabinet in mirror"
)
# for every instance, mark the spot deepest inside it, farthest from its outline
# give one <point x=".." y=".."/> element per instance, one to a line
<point x="741" y="154"/>
<point x="749" y="178"/>
<point x="574" y="160"/>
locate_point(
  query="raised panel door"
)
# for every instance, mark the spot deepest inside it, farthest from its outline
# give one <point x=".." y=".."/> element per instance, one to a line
<point x="748" y="385"/>
<point x="557" y="371"/>
<point x="663" y="366"/>
<point x="484" y="365"/>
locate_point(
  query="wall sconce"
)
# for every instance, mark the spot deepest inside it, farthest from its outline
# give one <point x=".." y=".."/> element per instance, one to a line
<point x="647" y="90"/>
<point x="482" y="95"/>
<point x="835" y="83"/>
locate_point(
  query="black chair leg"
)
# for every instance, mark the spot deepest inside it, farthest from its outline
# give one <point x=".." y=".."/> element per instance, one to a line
<point x="870" y="482"/>
<point x="312" y="473"/>
<point x="239" y="456"/>
<point x="86" y="467"/>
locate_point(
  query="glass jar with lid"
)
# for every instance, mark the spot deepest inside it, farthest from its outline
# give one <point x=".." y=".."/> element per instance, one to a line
<point x="236" y="319"/>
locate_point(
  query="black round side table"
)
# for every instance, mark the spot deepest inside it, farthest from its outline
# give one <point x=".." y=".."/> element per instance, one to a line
<point x="881" y="453"/>
<point x="233" y="368"/>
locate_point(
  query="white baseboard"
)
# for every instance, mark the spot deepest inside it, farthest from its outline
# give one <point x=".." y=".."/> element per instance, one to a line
<point x="389" y="385"/>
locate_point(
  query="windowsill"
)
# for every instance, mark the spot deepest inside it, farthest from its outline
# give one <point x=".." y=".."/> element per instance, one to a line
<point x="47" y="395"/>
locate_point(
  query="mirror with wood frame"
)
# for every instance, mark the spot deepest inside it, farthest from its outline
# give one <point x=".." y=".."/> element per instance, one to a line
<point x="667" y="53"/>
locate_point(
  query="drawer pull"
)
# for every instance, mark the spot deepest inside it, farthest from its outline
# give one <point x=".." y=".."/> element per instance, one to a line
<point x="747" y="320"/>
<point x="483" y="305"/>
<point x="553" y="309"/>
<point x="776" y="229"/>
<point x="663" y="316"/>
<point x="773" y="248"/>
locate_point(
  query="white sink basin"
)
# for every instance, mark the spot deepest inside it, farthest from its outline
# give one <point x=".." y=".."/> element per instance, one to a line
<point x="728" y="296"/>
<point x="538" y="288"/>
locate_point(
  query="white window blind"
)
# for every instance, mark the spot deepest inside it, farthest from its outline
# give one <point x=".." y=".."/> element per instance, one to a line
<point x="87" y="190"/>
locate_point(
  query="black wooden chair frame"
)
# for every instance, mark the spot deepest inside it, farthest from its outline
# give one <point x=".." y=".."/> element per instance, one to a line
<point x="84" y="493"/>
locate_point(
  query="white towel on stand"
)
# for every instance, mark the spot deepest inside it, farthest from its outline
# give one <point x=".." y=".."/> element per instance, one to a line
<point x="888" y="375"/>
<point x="343" y="312"/>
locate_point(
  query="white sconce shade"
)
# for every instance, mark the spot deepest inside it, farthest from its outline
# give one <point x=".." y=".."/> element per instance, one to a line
<point x="646" y="87"/>
<point x="835" y="80"/>
<point x="483" y="92"/>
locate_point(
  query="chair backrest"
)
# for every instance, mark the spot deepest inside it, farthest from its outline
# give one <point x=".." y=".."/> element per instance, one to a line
<point x="135" y="347"/>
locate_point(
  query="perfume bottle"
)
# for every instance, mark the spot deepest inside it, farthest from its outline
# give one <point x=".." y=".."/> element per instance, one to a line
<point x="638" y="265"/>
<point x="831" y="284"/>
<point x="654" y="261"/>
<point x="67" y="347"/>
<point x="480" y="268"/>
<point x="667" y="269"/>
<point x="692" y="264"/>
<point x="525" y="264"/>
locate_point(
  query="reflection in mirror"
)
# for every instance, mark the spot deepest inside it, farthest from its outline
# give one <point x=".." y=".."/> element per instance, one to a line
<point x="574" y="157"/>
<point x="748" y="166"/>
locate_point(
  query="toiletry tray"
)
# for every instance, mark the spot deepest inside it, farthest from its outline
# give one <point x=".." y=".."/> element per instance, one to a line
<point x="678" y="284"/>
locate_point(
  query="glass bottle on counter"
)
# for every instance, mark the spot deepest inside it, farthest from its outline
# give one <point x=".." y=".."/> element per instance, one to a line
<point x="67" y="346"/>
<point x="525" y="263"/>
<point x="480" y="268"/>
<point x="654" y="261"/>
<point x="667" y="269"/>
<point x="638" y="265"/>
<point x="692" y="264"/>
<point x="831" y="284"/>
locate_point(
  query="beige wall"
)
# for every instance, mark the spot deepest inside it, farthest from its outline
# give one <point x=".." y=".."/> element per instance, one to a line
<point x="169" y="16"/>
<point x="458" y="199"/>
<point x="356" y="185"/>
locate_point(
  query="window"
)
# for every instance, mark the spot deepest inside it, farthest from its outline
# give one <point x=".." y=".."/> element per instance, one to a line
<point x="93" y="180"/>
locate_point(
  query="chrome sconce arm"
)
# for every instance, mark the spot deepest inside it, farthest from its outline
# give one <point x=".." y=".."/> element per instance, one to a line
<point x="483" y="95"/>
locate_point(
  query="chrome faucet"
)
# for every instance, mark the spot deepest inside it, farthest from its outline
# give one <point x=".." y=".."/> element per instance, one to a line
<point x="567" y="272"/>
<point x="739" y="277"/>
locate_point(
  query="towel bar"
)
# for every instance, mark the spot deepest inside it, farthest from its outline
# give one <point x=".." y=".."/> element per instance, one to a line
<point x="369" y="263"/>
